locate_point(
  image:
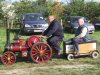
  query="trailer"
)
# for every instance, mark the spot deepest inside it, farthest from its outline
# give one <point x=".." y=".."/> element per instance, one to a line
<point x="89" y="48"/>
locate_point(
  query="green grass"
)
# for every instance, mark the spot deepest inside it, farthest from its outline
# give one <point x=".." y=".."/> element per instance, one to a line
<point x="65" y="72"/>
<point x="27" y="64"/>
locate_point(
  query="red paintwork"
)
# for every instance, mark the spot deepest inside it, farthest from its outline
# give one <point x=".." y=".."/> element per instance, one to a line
<point x="24" y="53"/>
<point x="32" y="40"/>
<point x="20" y="42"/>
<point x="18" y="48"/>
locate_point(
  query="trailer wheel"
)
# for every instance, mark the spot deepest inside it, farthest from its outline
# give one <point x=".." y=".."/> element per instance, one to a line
<point x="40" y="52"/>
<point x="95" y="54"/>
<point x="70" y="57"/>
<point x="8" y="58"/>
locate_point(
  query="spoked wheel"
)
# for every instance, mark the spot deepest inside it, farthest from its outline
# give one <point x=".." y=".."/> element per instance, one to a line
<point x="95" y="54"/>
<point x="8" y="58"/>
<point x="70" y="57"/>
<point x="40" y="52"/>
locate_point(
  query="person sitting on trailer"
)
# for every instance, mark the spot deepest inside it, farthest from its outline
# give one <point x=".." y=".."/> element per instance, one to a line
<point x="81" y="35"/>
<point x="54" y="33"/>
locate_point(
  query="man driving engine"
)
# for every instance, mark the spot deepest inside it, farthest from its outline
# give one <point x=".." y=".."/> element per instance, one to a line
<point x="54" y="33"/>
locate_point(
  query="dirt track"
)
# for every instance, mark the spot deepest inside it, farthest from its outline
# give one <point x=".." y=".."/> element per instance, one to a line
<point x="28" y="70"/>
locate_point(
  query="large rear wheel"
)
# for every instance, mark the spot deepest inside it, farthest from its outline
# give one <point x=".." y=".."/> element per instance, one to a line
<point x="40" y="52"/>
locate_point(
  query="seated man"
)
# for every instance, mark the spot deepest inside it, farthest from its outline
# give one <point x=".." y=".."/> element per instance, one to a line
<point x="81" y="34"/>
<point x="55" y="33"/>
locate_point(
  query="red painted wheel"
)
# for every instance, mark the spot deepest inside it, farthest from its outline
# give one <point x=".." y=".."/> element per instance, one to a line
<point x="8" y="58"/>
<point x="40" y="52"/>
<point x="32" y="40"/>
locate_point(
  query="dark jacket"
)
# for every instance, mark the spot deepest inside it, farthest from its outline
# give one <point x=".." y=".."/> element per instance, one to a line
<point x="54" y="29"/>
<point x="79" y="31"/>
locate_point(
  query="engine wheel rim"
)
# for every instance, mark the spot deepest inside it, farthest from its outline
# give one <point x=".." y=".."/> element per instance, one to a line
<point x="8" y="58"/>
<point x="41" y="52"/>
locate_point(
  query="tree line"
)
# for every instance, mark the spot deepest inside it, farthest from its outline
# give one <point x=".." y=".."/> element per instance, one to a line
<point x="91" y="10"/>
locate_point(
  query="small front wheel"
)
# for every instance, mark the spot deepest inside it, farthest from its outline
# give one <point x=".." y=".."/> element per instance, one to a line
<point x="95" y="54"/>
<point x="8" y="58"/>
<point x="70" y="57"/>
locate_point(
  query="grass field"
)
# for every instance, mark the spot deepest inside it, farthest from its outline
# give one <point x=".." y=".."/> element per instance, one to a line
<point x="27" y="65"/>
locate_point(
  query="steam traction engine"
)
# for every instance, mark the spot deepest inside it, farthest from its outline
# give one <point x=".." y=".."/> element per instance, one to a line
<point x="33" y="47"/>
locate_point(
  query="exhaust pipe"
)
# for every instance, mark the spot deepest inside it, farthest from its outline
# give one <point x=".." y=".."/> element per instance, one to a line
<point x="7" y="32"/>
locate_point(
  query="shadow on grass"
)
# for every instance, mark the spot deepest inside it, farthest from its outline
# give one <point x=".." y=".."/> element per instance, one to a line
<point x="26" y="60"/>
<point x="82" y="56"/>
<point x="29" y="60"/>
